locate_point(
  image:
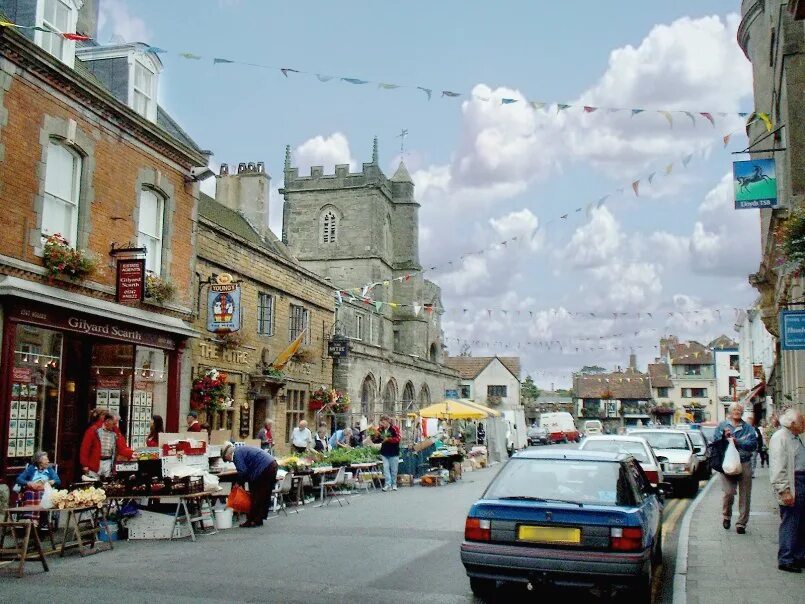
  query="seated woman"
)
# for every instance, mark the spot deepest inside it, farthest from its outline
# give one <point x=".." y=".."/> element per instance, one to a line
<point x="31" y="482"/>
<point x="157" y="427"/>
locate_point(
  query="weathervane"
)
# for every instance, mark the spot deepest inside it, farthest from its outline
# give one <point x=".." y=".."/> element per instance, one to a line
<point x="403" y="133"/>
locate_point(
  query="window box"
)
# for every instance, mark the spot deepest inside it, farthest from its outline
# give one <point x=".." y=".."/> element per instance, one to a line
<point x="63" y="261"/>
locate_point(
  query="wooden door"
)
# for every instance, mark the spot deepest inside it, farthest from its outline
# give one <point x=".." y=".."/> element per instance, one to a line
<point x="74" y="411"/>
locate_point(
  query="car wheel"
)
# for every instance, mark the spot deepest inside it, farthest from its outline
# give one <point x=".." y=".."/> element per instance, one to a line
<point x="482" y="588"/>
<point x="692" y="488"/>
<point x="643" y="590"/>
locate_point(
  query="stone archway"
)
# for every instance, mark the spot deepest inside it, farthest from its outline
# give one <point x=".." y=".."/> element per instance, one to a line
<point x="390" y="397"/>
<point x="424" y="396"/>
<point x="368" y="395"/>
<point x="408" y="397"/>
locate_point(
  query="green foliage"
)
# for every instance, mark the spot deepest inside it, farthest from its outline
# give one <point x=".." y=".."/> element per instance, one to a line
<point x="61" y="260"/>
<point x="344" y="457"/>
<point x="592" y="370"/>
<point x="529" y="390"/>
<point x="793" y="238"/>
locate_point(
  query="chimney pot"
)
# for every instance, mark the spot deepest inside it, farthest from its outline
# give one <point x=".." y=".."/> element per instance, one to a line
<point x="224" y="169"/>
<point x="261" y="167"/>
<point x="241" y="167"/>
<point x="252" y="167"/>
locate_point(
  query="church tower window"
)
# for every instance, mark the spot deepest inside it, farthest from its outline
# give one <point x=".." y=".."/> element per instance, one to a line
<point x="329" y="227"/>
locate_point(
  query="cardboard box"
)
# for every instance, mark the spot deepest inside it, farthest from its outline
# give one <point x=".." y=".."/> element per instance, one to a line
<point x="405" y="480"/>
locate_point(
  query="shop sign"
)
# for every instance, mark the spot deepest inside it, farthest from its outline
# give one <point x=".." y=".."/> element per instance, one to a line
<point x="451" y="394"/>
<point x="338" y="348"/>
<point x="757" y="372"/>
<point x="89" y="325"/>
<point x="212" y="352"/>
<point x="755" y="184"/>
<point x="223" y="305"/>
<point x="612" y="409"/>
<point x="21" y="374"/>
<point x="792" y="330"/>
<point x="130" y="280"/>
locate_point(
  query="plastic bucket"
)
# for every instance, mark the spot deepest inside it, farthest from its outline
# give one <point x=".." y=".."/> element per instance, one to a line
<point x="112" y="528"/>
<point x="223" y="519"/>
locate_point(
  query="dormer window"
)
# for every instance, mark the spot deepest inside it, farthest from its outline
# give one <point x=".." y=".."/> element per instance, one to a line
<point x="143" y="90"/>
<point x="59" y="17"/>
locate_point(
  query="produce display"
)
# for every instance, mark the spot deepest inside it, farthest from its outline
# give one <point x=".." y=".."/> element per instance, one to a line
<point x="344" y="457"/>
<point x="78" y="498"/>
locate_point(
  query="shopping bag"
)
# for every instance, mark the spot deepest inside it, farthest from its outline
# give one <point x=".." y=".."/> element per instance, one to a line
<point x="732" y="461"/>
<point x="239" y="499"/>
<point x="47" y="494"/>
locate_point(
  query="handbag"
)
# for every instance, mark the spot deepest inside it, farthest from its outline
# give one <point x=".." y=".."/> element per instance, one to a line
<point x="732" y="461"/>
<point x="239" y="499"/>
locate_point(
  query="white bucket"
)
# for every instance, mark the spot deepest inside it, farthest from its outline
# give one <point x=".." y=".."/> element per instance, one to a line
<point x="223" y="519"/>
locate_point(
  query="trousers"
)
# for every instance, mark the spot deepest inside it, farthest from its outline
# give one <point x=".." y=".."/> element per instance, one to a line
<point x="792" y="527"/>
<point x="742" y="484"/>
<point x="260" y="490"/>
<point x="390" y="466"/>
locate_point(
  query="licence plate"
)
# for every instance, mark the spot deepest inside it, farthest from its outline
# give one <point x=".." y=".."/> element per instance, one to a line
<point x="549" y="534"/>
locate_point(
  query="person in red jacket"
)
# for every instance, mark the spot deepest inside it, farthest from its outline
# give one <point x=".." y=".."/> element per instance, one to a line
<point x="192" y="422"/>
<point x="390" y="451"/>
<point x="101" y="445"/>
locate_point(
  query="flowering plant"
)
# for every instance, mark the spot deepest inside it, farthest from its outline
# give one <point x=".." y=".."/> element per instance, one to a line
<point x="232" y="340"/>
<point x="303" y="355"/>
<point x="61" y="260"/>
<point x="78" y="498"/>
<point x="338" y="401"/>
<point x="210" y="392"/>
<point x="159" y="289"/>
<point x="792" y="239"/>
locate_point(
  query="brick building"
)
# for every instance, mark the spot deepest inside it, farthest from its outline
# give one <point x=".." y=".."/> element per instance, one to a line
<point x="99" y="164"/>
<point x="279" y="299"/>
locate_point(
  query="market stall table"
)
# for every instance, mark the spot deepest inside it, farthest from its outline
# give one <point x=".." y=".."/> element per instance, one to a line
<point x="360" y="469"/>
<point x="190" y="509"/>
<point x="84" y="530"/>
<point x="20" y="552"/>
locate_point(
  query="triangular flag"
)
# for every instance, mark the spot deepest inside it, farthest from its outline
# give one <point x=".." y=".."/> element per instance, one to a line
<point x="7" y="24"/>
<point x="727" y="139"/>
<point x="651" y="177"/>
<point x="507" y="101"/>
<point x="636" y="188"/>
<point x="76" y="37"/>
<point x="691" y="116"/>
<point x="354" y="81"/>
<point x="743" y="114"/>
<point x="417" y="308"/>
<point x="708" y="117"/>
<point x="154" y="49"/>
<point x="563" y="217"/>
<point x="394" y="305"/>
<point x="324" y="78"/>
<point x="427" y="91"/>
<point x="686" y="160"/>
<point x="613" y="110"/>
<point x="190" y="55"/>
<point x="766" y="120"/>
<point x="537" y="104"/>
<point x="636" y="111"/>
<point x="561" y="107"/>
<point x="450" y="93"/>
<point x="378" y="305"/>
<point x="588" y="109"/>
<point x="602" y="200"/>
<point x="285" y="71"/>
<point x="385" y="86"/>
<point x="338" y="297"/>
<point x="669" y="168"/>
<point x="669" y="117"/>
<point x="218" y="60"/>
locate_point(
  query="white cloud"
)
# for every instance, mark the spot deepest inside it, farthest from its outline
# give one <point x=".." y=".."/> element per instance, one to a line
<point x="324" y="151"/>
<point x="595" y="243"/>
<point x="633" y="285"/>
<point x="521" y="224"/>
<point x="115" y="19"/>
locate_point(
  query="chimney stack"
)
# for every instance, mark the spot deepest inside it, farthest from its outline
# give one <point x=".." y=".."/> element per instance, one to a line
<point x="245" y="192"/>
<point x="633" y="362"/>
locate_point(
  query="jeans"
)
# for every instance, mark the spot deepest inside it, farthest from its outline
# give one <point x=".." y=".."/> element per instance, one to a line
<point x="742" y="484"/>
<point x="390" y="465"/>
<point x="792" y="527"/>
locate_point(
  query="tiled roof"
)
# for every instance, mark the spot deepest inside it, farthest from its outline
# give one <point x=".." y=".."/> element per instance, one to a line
<point x="621" y="385"/>
<point x="469" y="367"/>
<point x="721" y="342"/>
<point x="691" y="353"/>
<point x="660" y="375"/>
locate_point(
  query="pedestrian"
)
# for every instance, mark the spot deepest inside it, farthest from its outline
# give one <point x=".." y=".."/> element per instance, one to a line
<point x="389" y="451"/>
<point x="301" y="437"/>
<point x="763" y="444"/>
<point x="744" y="438"/>
<point x="759" y="436"/>
<point x="481" y="434"/>
<point x="157" y="428"/>
<point x="100" y="447"/>
<point x="266" y="436"/>
<point x="259" y="469"/>
<point x="341" y="439"/>
<point x="321" y="442"/>
<point x="787" y="475"/>
<point x="192" y="422"/>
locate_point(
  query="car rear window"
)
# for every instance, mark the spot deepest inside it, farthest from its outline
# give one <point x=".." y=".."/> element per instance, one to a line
<point x="665" y="440"/>
<point x="591" y="482"/>
<point x="633" y="447"/>
<point x="697" y="438"/>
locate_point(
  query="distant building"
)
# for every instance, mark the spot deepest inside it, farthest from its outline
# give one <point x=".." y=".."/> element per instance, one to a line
<point x="549" y="401"/>
<point x="662" y="392"/>
<point x="493" y="381"/>
<point x="726" y="359"/>
<point x="693" y="375"/>
<point x="756" y="360"/>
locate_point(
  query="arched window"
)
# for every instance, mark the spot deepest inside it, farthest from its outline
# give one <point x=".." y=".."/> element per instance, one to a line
<point x="387" y="241"/>
<point x="62" y="192"/>
<point x="424" y="396"/>
<point x="329" y="227"/>
<point x="367" y="395"/>
<point x="390" y="397"/>
<point x="434" y="353"/>
<point x="408" y="396"/>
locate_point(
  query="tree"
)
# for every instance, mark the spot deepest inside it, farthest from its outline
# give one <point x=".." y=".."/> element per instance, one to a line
<point x="592" y="370"/>
<point x="528" y="390"/>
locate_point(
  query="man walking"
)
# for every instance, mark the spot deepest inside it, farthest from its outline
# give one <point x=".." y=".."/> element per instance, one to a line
<point x="787" y="475"/>
<point x="389" y="451"/>
<point x="259" y="469"/>
<point x="744" y="438"/>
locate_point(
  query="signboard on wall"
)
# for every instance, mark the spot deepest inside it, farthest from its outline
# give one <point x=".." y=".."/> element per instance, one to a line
<point x="338" y="347"/>
<point x="755" y="184"/>
<point x="223" y="305"/>
<point x="130" y="280"/>
<point x="792" y="330"/>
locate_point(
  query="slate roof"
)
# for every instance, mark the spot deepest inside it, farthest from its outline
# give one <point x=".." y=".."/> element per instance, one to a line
<point x="470" y="367"/>
<point x="660" y="375"/>
<point x="629" y="384"/>
<point x="402" y="175"/>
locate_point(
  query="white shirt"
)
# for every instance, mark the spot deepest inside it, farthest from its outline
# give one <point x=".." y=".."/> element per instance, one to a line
<point x="301" y="438"/>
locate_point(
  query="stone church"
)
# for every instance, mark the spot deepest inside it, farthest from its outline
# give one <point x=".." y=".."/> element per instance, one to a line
<point x="359" y="228"/>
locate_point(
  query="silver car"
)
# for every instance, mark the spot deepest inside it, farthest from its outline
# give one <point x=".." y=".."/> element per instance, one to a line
<point x="677" y="454"/>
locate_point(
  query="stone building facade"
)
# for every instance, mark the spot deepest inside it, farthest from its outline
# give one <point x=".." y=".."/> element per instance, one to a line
<point x="97" y="168"/>
<point x="278" y="298"/>
<point x="772" y="35"/>
<point x="356" y="229"/>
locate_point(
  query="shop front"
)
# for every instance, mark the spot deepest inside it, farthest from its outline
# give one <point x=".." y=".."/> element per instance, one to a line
<point x="58" y="364"/>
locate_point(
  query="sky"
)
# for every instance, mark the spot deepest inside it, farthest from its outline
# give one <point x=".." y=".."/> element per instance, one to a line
<point x="587" y="289"/>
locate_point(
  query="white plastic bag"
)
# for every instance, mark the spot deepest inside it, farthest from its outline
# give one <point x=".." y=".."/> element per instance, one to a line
<point x="732" y="461"/>
<point x="47" y="494"/>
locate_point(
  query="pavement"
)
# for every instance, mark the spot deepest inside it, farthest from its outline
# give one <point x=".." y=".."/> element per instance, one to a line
<point x="723" y="566"/>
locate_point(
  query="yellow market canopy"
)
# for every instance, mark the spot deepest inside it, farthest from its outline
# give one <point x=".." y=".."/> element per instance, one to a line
<point x="457" y="409"/>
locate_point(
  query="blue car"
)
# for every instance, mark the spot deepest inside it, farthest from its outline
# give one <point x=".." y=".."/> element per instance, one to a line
<point x="566" y="517"/>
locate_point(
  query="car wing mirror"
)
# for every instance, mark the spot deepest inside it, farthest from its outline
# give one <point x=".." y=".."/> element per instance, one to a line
<point x="698" y="449"/>
<point x="662" y="459"/>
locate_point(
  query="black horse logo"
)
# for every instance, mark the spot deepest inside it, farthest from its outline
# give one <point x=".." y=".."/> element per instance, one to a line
<point x="756" y="176"/>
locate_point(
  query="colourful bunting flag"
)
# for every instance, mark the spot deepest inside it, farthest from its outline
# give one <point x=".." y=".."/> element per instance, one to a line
<point x="76" y="37"/>
<point x="669" y="168"/>
<point x="561" y="107"/>
<point x="743" y="114"/>
<point x="613" y="110"/>
<point x="427" y="91"/>
<point x="636" y="188"/>
<point x="378" y="305"/>
<point x="766" y="120"/>
<point x="324" y="78"/>
<point x="708" y="117"/>
<point x="637" y="111"/>
<point x="190" y="55"/>
<point x="691" y="116"/>
<point x="338" y="297"/>
<point x="588" y="109"/>
<point x="686" y="160"/>
<point x="536" y="105"/>
<point x="450" y="93"/>
<point x="669" y="117"/>
<point x="216" y="61"/>
<point x="651" y="177"/>
<point x="354" y="81"/>
<point x="285" y="71"/>
<point x="417" y="309"/>
<point x="7" y="24"/>
<point x="507" y="101"/>
<point x="727" y="139"/>
<point x="154" y="49"/>
<point x="385" y="86"/>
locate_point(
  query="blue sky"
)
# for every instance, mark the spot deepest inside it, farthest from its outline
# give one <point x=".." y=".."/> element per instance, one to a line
<point x="485" y="172"/>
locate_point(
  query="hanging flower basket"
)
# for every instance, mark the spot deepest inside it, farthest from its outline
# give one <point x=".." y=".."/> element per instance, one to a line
<point x="335" y="400"/>
<point x="792" y="236"/>
<point x="303" y="356"/>
<point x="232" y="340"/>
<point x="210" y="392"/>
<point x="63" y="261"/>
<point x="158" y="289"/>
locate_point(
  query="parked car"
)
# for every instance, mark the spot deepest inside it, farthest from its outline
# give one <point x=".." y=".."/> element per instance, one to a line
<point x="593" y="426"/>
<point x="702" y="452"/>
<point x="677" y="455"/>
<point x="569" y="517"/>
<point x="560" y="427"/>
<point x="709" y="431"/>
<point x="537" y="435"/>
<point x="636" y="446"/>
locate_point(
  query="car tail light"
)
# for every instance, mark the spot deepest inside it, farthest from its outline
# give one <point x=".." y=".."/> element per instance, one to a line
<point x="626" y="539"/>
<point x="653" y="476"/>
<point x="476" y="529"/>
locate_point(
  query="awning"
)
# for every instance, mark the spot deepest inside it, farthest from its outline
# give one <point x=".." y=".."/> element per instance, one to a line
<point x="457" y="409"/>
<point x="752" y="393"/>
<point x="46" y="294"/>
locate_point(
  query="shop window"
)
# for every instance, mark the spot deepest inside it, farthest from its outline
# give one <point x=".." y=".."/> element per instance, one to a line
<point x="150" y="396"/>
<point x="112" y="377"/>
<point x="62" y="192"/>
<point x="465" y="391"/>
<point x="35" y="391"/>
<point x="265" y="314"/>
<point x="149" y="226"/>
<point x="295" y="411"/>
<point x="299" y="322"/>
<point x="662" y="392"/>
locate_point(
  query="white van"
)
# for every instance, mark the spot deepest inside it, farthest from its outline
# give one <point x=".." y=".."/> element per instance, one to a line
<point x="593" y="427"/>
<point x="560" y="427"/>
<point x="517" y="432"/>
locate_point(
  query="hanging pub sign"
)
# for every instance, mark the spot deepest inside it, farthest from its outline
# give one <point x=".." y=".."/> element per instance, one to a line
<point x="338" y="347"/>
<point x="792" y="330"/>
<point x="223" y="305"/>
<point x="755" y="184"/>
<point x="130" y="280"/>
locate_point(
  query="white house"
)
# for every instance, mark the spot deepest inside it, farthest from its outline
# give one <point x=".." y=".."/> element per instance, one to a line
<point x="727" y="363"/>
<point x="493" y="381"/>
<point x="756" y="352"/>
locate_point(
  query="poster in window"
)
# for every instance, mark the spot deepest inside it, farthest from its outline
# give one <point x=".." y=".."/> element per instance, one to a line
<point x="15" y="390"/>
<point x="149" y="399"/>
<point x="12" y="447"/>
<point x="114" y="397"/>
<point x="15" y="409"/>
<point x="102" y="399"/>
<point x="31" y="432"/>
<point x="12" y="428"/>
<point x="23" y="390"/>
<point x="22" y="410"/>
<point x="33" y="391"/>
<point x="29" y="447"/>
<point x="223" y="305"/>
<point x="31" y="409"/>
